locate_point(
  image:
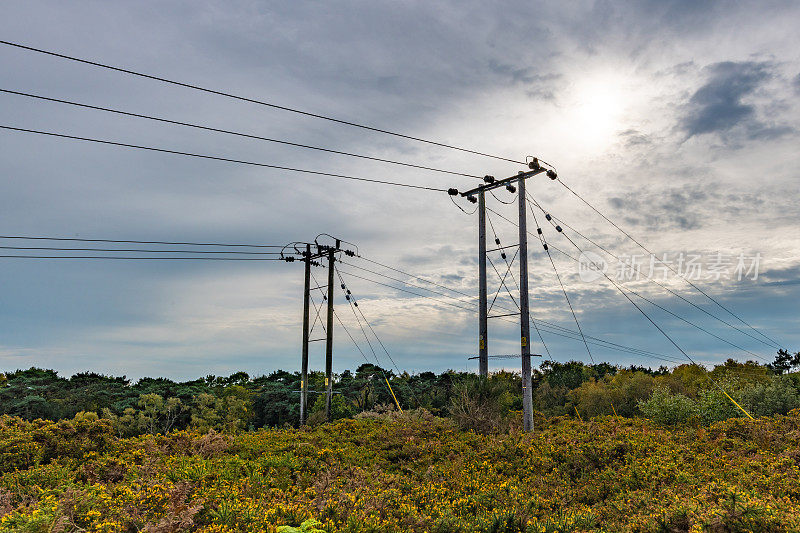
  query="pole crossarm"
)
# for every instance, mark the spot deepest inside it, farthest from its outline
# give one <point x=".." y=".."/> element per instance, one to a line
<point x="503" y="182"/>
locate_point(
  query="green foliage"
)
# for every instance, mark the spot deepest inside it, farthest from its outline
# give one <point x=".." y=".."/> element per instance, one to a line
<point x="667" y="408"/>
<point x="239" y="402"/>
<point x="778" y="396"/>
<point x="309" y="526"/>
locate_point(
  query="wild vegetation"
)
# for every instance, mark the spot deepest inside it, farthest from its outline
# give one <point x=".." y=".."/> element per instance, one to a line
<point x="410" y="472"/>
<point x="613" y="450"/>
<point x="238" y="402"/>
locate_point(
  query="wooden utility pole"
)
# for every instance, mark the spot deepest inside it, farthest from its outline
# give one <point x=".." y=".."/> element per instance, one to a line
<point x="477" y="195"/>
<point x="524" y="311"/>
<point x="483" y="326"/>
<point x="304" y="362"/>
<point x="329" y="335"/>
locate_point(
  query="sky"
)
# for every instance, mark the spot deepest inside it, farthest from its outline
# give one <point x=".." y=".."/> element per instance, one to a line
<point x="677" y="120"/>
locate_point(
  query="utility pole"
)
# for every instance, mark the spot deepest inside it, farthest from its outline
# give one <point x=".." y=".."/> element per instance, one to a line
<point x="329" y="337"/>
<point x="304" y="365"/>
<point x="477" y="195"/>
<point x="524" y="311"/>
<point x="483" y="326"/>
<point x="312" y="259"/>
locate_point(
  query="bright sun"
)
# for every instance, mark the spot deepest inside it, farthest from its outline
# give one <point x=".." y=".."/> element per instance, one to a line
<point x="593" y="109"/>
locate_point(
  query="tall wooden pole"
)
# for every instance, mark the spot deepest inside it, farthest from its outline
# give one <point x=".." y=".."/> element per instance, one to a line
<point x="483" y="329"/>
<point x="329" y="338"/>
<point x="524" y="315"/>
<point x="304" y="363"/>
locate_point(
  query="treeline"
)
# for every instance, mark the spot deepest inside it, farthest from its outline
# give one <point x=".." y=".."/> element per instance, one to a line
<point x="239" y="402"/>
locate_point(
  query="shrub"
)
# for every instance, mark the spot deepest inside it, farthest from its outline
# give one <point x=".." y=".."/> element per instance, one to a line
<point x="664" y="407"/>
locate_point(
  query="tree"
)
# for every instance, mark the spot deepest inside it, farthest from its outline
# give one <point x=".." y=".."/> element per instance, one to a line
<point x="784" y="362"/>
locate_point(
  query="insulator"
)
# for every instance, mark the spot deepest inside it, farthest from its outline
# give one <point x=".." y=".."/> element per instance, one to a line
<point x="545" y="245"/>
<point x="497" y="241"/>
<point x="472" y="199"/>
<point x="548" y="217"/>
<point x="534" y="164"/>
<point x="552" y="174"/>
<point x="289" y="259"/>
<point x="355" y="303"/>
<point x="503" y="255"/>
<point x="347" y="296"/>
<point x="511" y="189"/>
<point x="343" y="287"/>
<point x="452" y="192"/>
<point x="539" y="231"/>
<point x="558" y="228"/>
<point x="488" y="179"/>
<point x="348" y="291"/>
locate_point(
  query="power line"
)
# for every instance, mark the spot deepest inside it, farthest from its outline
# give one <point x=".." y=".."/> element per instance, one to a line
<point x="542" y="323"/>
<point x="39" y="238"/>
<point x="668" y="290"/>
<point x="539" y="321"/>
<point x="558" y="277"/>
<point x="239" y="134"/>
<point x="704" y="293"/>
<point x="659" y="328"/>
<point x="216" y="158"/>
<point x="353" y="306"/>
<point x="416" y="277"/>
<point x="134" y="250"/>
<point x="551" y="246"/>
<point x="410" y="292"/>
<point x="403" y="282"/>
<point x="254" y="101"/>
<point x="663" y="286"/>
<point x="141" y="258"/>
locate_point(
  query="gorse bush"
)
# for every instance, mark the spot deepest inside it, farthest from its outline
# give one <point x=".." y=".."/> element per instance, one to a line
<point x="390" y="472"/>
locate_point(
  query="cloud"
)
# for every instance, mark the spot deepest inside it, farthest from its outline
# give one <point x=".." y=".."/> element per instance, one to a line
<point x="721" y="104"/>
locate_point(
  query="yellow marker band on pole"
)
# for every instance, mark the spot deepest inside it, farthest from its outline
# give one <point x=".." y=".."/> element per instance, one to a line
<point x="615" y="411"/>
<point x="577" y="413"/>
<point x="736" y="404"/>
<point x="393" y="396"/>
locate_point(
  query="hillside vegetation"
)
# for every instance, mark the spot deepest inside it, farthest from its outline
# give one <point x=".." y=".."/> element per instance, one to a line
<point x="398" y="473"/>
<point x="238" y="402"/>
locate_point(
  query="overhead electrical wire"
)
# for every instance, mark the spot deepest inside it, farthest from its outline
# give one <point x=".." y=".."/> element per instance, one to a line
<point x="655" y="281"/>
<point x="239" y="134"/>
<point x="40" y="238"/>
<point x="541" y="323"/>
<point x="353" y="306"/>
<point x="640" y="245"/>
<point x="216" y="158"/>
<point x="141" y="258"/>
<point x="563" y="289"/>
<point x="218" y="252"/>
<point x="550" y="246"/>
<point x="403" y="282"/>
<point x="255" y="101"/>
<point x="541" y="208"/>
<point x="659" y="328"/>
<point x="415" y="276"/>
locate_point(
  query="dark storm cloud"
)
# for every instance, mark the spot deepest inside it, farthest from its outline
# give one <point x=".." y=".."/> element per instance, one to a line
<point x="720" y="105"/>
